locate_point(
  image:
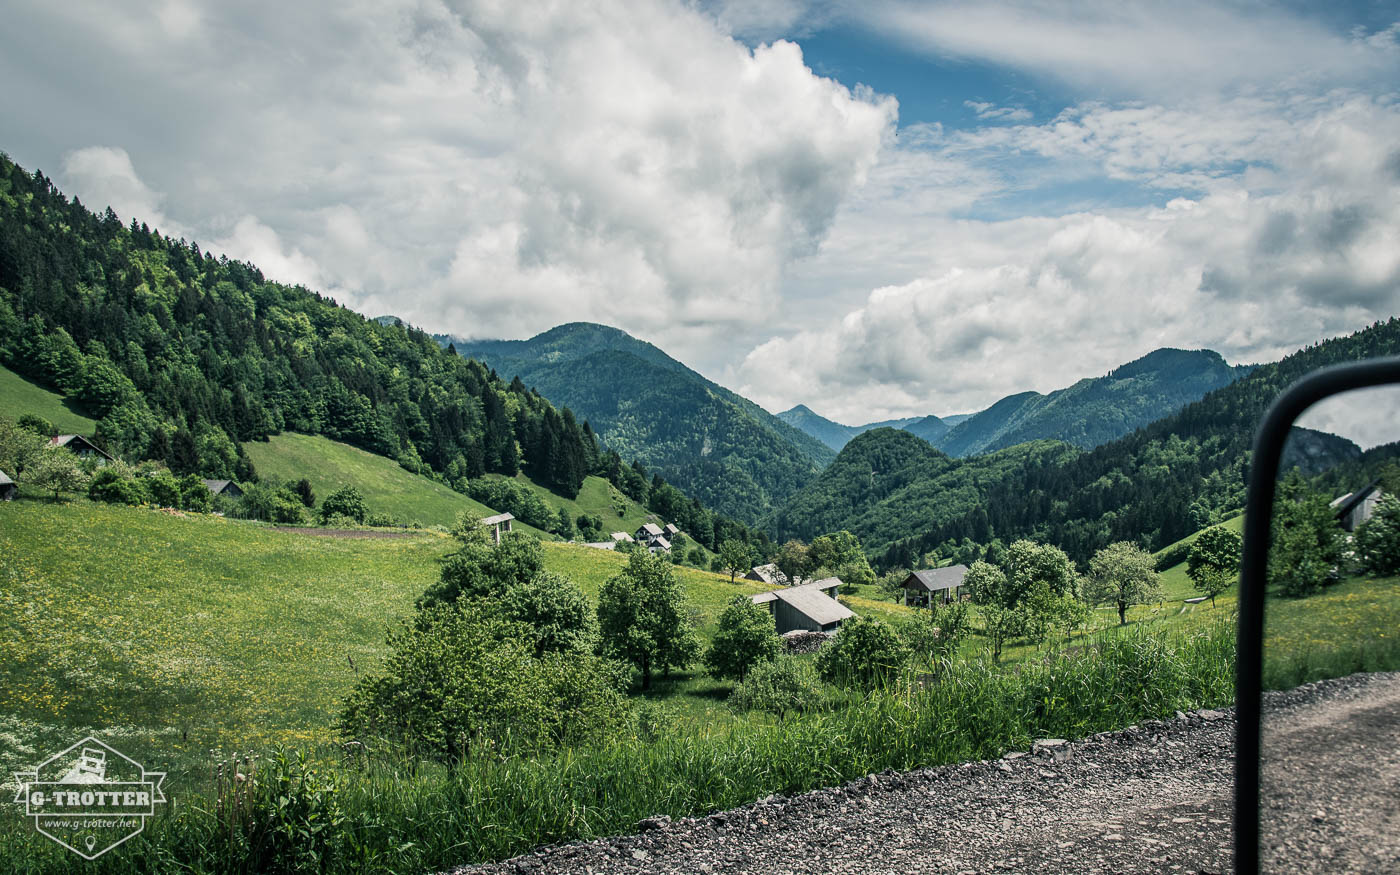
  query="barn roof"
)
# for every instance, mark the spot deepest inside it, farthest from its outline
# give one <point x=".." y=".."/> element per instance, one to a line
<point x="5" y="479"/>
<point x="621" y="536"/>
<point x="651" y="529"/>
<point x="767" y="573"/>
<point x="671" y="529"/>
<point x="1349" y="502"/>
<point x="819" y="607"/>
<point x="824" y="584"/>
<point x="935" y="579"/>
<point x="497" y="519"/>
<point x="217" y="486"/>
<point x="662" y="543"/>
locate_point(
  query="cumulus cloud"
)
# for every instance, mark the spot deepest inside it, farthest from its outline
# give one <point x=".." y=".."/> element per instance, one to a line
<point x="105" y="177"/>
<point x="487" y="169"/>
<point x="1253" y="264"/>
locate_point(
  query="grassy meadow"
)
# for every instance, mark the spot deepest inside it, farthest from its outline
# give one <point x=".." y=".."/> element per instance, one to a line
<point x="18" y="395"/>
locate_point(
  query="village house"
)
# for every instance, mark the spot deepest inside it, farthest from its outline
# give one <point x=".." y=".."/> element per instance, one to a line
<point x="810" y="606"/>
<point x="7" y="487"/>
<point x="670" y="531"/>
<point x="226" y="488"/>
<point x="622" y="538"/>
<point x="1355" y="508"/>
<point x="499" y="526"/>
<point x="943" y="583"/>
<point x="81" y="447"/>
<point x="767" y="574"/>
<point x="654" y="537"/>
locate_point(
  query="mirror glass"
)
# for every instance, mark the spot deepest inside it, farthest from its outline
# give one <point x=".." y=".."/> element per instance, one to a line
<point x="1330" y="755"/>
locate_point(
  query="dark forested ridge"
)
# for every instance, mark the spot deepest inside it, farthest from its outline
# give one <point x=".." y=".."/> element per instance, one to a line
<point x="1156" y="485"/>
<point x="712" y="443"/>
<point x="181" y="355"/>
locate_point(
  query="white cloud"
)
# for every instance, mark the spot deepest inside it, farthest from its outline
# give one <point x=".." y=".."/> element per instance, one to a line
<point x="487" y="169"/>
<point x="1254" y="265"/>
<point x="105" y="177"/>
<point x="990" y="111"/>
<point x="1142" y="49"/>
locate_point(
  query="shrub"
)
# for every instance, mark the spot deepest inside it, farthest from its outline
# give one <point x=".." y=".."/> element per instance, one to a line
<point x="345" y="501"/>
<point x="115" y="485"/>
<point x="785" y="685"/>
<point x="557" y="612"/>
<point x="480" y="569"/>
<point x="163" y="488"/>
<point x="381" y="520"/>
<point x="1378" y="539"/>
<point x="865" y="652"/>
<point x="37" y="424"/>
<point x="194" y="495"/>
<point x="934" y="634"/>
<point x="460" y="678"/>
<point x="745" y="635"/>
<point x="278" y="505"/>
<point x="1307" y="542"/>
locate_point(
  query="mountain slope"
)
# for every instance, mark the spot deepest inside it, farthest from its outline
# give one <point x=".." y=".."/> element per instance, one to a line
<point x="836" y="435"/>
<point x="1096" y="410"/>
<point x="710" y="442"/>
<point x="1157" y="484"/>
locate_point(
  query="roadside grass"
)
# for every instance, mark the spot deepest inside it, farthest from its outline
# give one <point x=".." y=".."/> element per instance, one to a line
<point x="1349" y="627"/>
<point x="19" y="396"/>
<point x="387" y="488"/>
<point x="388" y="815"/>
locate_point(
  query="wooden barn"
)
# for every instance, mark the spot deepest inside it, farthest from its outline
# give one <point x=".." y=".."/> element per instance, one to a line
<point x="226" y="488"/>
<point x="944" y="583"/>
<point x="811" y="606"/>
<point x="499" y="525"/>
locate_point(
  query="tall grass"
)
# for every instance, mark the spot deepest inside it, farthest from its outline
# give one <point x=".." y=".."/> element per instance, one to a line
<point x="384" y="814"/>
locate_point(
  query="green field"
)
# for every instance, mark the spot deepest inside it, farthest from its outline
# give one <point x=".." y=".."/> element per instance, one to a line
<point x="19" y="396"/>
<point x="387" y="488"/>
<point x="596" y="498"/>
<point x="189" y="631"/>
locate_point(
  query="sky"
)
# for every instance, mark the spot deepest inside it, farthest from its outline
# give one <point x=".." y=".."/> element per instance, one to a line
<point x="878" y="209"/>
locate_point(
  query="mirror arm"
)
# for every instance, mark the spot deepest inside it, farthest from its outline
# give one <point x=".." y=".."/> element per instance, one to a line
<point x="1249" y="665"/>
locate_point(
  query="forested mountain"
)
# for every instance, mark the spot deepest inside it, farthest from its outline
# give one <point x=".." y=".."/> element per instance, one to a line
<point x="887" y="483"/>
<point x="1155" y="485"/>
<point x="710" y="442"/>
<point x="181" y="356"/>
<point x="1095" y="410"/>
<point x="836" y="435"/>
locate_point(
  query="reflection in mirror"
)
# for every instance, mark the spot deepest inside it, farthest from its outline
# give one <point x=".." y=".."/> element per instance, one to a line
<point x="1330" y="728"/>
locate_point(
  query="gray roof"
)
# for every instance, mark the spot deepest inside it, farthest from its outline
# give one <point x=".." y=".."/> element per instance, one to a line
<point x="1352" y="500"/>
<point x="671" y="529"/>
<point x="662" y="543"/>
<point x="935" y="579"/>
<point x="217" y="486"/>
<point x="820" y="608"/>
<point x="823" y="585"/>
<point x="63" y="440"/>
<point x="767" y="573"/>
<point x="497" y="519"/>
<point x="621" y="536"/>
<point x="651" y="529"/>
<point x="5" y="479"/>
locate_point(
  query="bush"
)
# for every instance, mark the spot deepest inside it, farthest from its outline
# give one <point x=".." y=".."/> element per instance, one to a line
<point x="745" y="636"/>
<point x="557" y="611"/>
<point x="865" y="652"/>
<point x="787" y="684"/>
<point x="345" y="501"/>
<point x="381" y="520"/>
<point x="194" y="495"/>
<point x="37" y="424"/>
<point x="163" y="489"/>
<point x="933" y="635"/>
<point x="1378" y="539"/>
<point x="263" y="502"/>
<point x="115" y="485"/>
<point x="480" y="569"/>
<point x="460" y="678"/>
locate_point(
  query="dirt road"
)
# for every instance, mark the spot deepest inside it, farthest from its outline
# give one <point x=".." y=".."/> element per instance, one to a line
<point x="1153" y="798"/>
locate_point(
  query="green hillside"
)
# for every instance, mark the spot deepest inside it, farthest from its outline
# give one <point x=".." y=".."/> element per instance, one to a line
<point x="711" y="443"/>
<point x="19" y="396"/>
<point x="387" y="487"/>
<point x="597" y="498"/>
<point x="1095" y="410"/>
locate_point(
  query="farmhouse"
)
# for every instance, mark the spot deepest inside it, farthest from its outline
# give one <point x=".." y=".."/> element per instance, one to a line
<point x="622" y="538"/>
<point x="81" y="446"/>
<point x="499" y="525"/>
<point x="654" y="537"/>
<point x="670" y="531"/>
<point x="1355" y="508"/>
<point x="811" y="606"/>
<point x="7" y="487"/>
<point x="921" y="586"/>
<point x="225" y="488"/>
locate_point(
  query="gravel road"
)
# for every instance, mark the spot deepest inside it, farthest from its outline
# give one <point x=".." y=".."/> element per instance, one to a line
<point x="1151" y="798"/>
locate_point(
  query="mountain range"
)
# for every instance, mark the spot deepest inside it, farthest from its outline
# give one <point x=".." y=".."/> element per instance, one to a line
<point x="1093" y="411"/>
